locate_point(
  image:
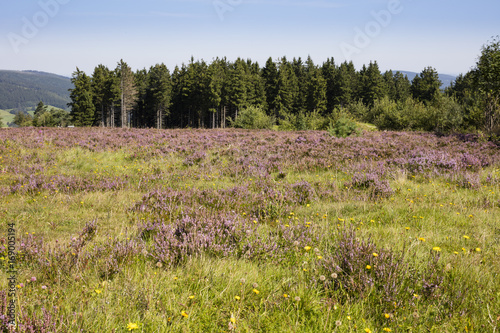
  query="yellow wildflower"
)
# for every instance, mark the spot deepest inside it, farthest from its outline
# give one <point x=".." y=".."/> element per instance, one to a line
<point x="132" y="326"/>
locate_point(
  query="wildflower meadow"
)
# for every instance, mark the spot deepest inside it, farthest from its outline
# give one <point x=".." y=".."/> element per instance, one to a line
<point x="143" y="230"/>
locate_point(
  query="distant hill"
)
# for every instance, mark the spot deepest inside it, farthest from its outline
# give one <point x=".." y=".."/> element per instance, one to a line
<point x="446" y="79"/>
<point x="24" y="89"/>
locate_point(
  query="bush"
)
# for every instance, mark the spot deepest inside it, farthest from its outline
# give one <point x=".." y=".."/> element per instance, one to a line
<point x="343" y="127"/>
<point x="253" y="117"/>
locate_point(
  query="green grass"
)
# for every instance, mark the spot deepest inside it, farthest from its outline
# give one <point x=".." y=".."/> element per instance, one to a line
<point x="6" y="117"/>
<point x="419" y="216"/>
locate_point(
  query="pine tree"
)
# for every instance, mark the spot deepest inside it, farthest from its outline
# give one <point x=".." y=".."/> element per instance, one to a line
<point x="288" y="89"/>
<point x="270" y="76"/>
<point x="238" y="86"/>
<point x="402" y="87"/>
<point x="142" y="114"/>
<point x="82" y="106"/>
<point x="99" y="91"/>
<point x="425" y="86"/>
<point x="329" y="72"/>
<point x="372" y="85"/>
<point x="159" y="93"/>
<point x="128" y="92"/>
<point x="487" y="81"/>
<point x="346" y="84"/>
<point x="217" y="77"/>
<point x="316" y="89"/>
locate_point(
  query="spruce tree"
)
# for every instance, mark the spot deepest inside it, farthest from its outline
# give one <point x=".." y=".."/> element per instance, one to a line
<point x="99" y="93"/>
<point x="128" y="92"/>
<point x="159" y="93"/>
<point x="82" y="106"/>
<point x="425" y="86"/>
<point x="270" y="76"/>
<point x="329" y="72"/>
<point x="346" y="84"/>
<point x="316" y="89"/>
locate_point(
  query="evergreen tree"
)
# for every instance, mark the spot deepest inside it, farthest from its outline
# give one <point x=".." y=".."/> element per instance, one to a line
<point x="402" y="87"/>
<point x="303" y="77"/>
<point x="329" y="71"/>
<point x="372" y="85"/>
<point x="142" y="114"/>
<point x="128" y="92"/>
<point x="425" y="86"/>
<point x="238" y="86"/>
<point x="99" y="81"/>
<point x="346" y="84"/>
<point x="487" y="81"/>
<point x="159" y="93"/>
<point x="287" y="90"/>
<point x="39" y="119"/>
<point x="82" y="106"/>
<point x="217" y="77"/>
<point x="271" y="76"/>
<point x="316" y="89"/>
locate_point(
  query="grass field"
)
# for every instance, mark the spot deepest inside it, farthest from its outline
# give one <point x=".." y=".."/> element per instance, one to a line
<point x="123" y="230"/>
<point x="6" y="117"/>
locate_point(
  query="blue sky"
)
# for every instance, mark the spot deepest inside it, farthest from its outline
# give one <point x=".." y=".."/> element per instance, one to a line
<point x="59" y="35"/>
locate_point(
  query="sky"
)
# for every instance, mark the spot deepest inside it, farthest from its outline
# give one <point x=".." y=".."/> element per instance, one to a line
<point x="57" y="36"/>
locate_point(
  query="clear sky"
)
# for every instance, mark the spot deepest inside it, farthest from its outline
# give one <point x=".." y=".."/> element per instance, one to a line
<point x="59" y="35"/>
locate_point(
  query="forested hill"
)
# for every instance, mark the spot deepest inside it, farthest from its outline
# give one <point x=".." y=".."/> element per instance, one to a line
<point x="21" y="89"/>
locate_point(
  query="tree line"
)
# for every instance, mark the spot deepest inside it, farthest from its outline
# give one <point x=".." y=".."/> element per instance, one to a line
<point x="289" y="94"/>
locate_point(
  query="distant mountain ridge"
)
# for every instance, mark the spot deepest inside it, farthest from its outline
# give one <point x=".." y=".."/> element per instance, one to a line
<point x="23" y="89"/>
<point x="445" y="78"/>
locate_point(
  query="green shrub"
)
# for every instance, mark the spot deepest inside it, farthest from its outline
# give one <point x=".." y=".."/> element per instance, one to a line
<point x="343" y="127"/>
<point x="253" y="117"/>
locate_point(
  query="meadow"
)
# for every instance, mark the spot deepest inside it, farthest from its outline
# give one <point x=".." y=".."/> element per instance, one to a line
<point x="139" y="230"/>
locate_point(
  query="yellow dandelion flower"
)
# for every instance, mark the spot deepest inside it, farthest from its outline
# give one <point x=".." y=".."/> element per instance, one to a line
<point x="421" y="239"/>
<point x="98" y="291"/>
<point x="386" y="329"/>
<point x="285" y="295"/>
<point x="466" y="237"/>
<point x="367" y="330"/>
<point x="386" y="315"/>
<point x="307" y="248"/>
<point x="256" y="291"/>
<point x="191" y="297"/>
<point x="375" y="254"/>
<point x="349" y="318"/>
<point x="132" y="326"/>
<point x="320" y="257"/>
<point x="237" y="298"/>
<point x="232" y="320"/>
<point x="436" y="248"/>
<point x="478" y="249"/>
<point x="368" y="267"/>
<point x="184" y="314"/>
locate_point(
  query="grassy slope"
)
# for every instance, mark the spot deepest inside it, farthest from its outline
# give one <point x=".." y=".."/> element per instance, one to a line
<point x="205" y="287"/>
<point x="7" y="117"/>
